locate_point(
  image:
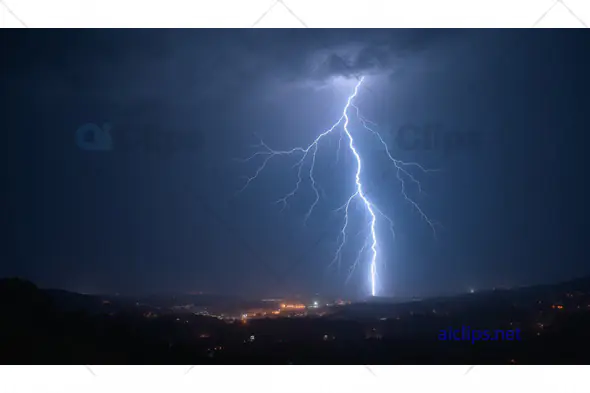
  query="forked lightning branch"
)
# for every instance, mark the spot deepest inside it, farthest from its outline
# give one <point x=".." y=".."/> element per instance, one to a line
<point x="369" y="252"/>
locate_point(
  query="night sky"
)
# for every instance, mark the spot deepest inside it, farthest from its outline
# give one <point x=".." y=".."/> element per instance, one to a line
<point x="160" y="210"/>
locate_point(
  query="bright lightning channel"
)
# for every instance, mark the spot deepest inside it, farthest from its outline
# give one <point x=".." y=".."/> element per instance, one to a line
<point x="402" y="174"/>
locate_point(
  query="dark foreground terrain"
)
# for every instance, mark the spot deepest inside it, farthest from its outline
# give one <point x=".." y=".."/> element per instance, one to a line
<point x="56" y="327"/>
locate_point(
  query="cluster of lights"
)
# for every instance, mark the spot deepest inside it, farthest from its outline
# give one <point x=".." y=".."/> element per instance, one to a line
<point x="293" y="306"/>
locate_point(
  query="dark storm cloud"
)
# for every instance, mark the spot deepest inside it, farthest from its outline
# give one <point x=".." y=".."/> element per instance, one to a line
<point x="318" y="55"/>
<point x="379" y="52"/>
<point x="188" y="65"/>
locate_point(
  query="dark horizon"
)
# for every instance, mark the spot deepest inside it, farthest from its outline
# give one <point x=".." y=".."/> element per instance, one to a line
<point x="158" y="212"/>
<point x="312" y="295"/>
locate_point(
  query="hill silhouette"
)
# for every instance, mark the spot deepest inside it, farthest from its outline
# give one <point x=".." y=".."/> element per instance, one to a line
<point x="41" y="326"/>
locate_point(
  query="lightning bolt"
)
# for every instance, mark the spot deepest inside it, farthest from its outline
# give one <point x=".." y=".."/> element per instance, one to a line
<point x="403" y="174"/>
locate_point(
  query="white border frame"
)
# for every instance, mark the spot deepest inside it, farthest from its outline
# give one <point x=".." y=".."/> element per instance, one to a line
<point x="294" y="13"/>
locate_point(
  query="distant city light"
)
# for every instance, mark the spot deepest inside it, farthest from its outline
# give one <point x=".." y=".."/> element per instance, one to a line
<point x="315" y="304"/>
<point x="297" y="306"/>
<point x="472" y="290"/>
